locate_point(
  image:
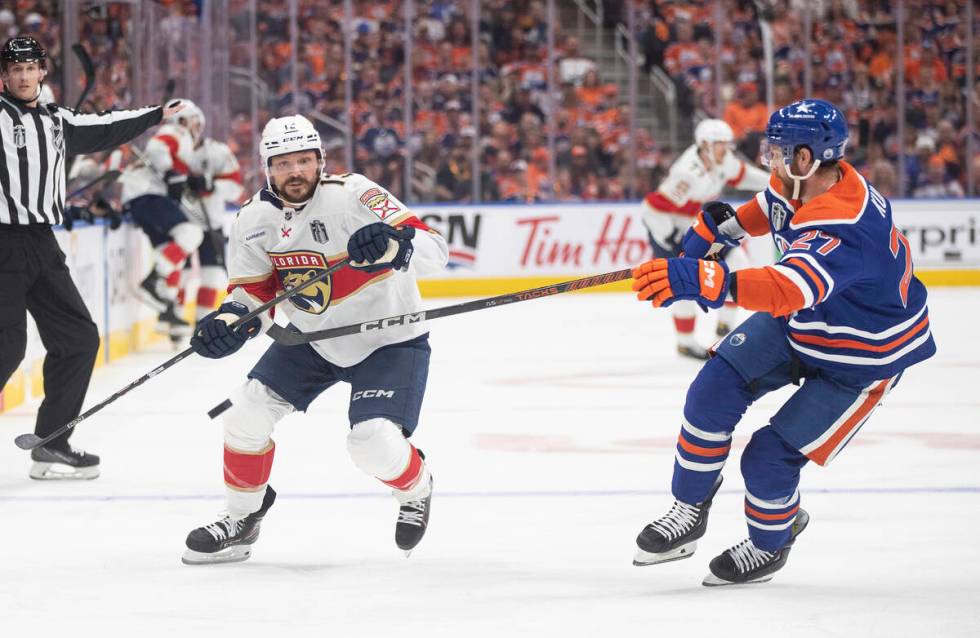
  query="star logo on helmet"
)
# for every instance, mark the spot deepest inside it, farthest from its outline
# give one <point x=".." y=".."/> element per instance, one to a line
<point x="804" y="108"/>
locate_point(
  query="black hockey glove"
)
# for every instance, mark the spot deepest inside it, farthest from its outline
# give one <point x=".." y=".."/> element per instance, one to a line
<point x="378" y="246"/>
<point x="76" y="213"/>
<point x="199" y="185"/>
<point x="214" y="337"/>
<point x="101" y="208"/>
<point x="176" y="184"/>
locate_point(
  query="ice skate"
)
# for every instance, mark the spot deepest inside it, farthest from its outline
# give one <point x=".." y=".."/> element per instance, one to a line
<point x="693" y="352"/>
<point x="723" y="329"/>
<point x="170" y="324"/>
<point x="153" y="292"/>
<point x="675" y="535"/>
<point x="228" y="540"/>
<point x="56" y="463"/>
<point x="746" y="564"/>
<point x="413" y="519"/>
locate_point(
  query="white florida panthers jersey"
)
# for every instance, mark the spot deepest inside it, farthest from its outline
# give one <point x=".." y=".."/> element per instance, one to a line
<point x="688" y="185"/>
<point x="274" y="248"/>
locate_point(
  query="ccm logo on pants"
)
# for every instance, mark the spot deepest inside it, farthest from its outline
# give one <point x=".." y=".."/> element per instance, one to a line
<point x="368" y="394"/>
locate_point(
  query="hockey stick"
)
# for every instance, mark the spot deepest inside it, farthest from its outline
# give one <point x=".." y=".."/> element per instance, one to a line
<point x="104" y="177"/>
<point x="30" y="441"/>
<point x="88" y="67"/>
<point x="294" y="338"/>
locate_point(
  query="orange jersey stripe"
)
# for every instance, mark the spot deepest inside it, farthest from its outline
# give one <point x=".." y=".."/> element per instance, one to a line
<point x="771" y="517"/>
<point x="821" y="454"/>
<point x="767" y="290"/>
<point x="752" y="219"/>
<point x="857" y="345"/>
<point x="821" y="289"/>
<point x="702" y="451"/>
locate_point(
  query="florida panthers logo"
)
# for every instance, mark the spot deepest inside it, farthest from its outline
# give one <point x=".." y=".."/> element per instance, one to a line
<point x="295" y="269"/>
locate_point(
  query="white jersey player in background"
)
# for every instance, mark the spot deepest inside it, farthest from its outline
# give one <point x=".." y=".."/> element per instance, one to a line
<point x="220" y="184"/>
<point x="697" y="177"/>
<point x="296" y="227"/>
<point x="152" y="192"/>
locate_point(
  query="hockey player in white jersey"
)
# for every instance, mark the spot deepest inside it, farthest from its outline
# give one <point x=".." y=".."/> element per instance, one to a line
<point x="206" y="200"/>
<point x="296" y="227"/>
<point x="694" y="180"/>
<point x="152" y="192"/>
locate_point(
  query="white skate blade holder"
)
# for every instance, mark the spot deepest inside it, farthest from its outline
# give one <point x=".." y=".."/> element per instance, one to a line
<point x="643" y="559"/>
<point x="45" y="471"/>
<point x="234" y="554"/>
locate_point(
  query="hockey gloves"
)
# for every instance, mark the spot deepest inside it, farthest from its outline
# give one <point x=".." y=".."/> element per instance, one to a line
<point x="378" y="246"/>
<point x="176" y="184"/>
<point x="704" y="231"/>
<point x="664" y="281"/>
<point x="215" y="338"/>
<point x="200" y="185"/>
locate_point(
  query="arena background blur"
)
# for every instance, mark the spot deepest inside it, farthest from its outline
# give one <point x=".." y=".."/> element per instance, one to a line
<point x="534" y="101"/>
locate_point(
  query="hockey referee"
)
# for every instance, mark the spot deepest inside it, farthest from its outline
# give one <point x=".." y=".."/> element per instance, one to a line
<point x="35" y="140"/>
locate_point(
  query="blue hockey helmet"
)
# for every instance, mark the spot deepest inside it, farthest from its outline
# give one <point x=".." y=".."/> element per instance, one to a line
<point x="816" y="124"/>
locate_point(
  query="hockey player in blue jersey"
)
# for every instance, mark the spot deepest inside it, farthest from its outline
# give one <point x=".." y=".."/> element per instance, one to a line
<point x="841" y="315"/>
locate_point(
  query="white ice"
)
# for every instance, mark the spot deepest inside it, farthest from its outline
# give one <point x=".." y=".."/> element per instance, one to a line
<point x="550" y="427"/>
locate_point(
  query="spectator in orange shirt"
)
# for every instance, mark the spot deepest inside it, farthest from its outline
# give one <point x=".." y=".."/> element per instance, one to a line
<point x="746" y="114"/>
<point x="927" y="58"/>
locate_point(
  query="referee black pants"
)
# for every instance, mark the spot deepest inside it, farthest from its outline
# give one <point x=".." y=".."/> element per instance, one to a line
<point x="34" y="278"/>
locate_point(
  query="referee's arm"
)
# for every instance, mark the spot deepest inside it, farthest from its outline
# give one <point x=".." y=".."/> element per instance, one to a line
<point x="94" y="132"/>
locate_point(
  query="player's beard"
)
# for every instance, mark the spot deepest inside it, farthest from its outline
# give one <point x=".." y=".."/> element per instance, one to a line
<point x="288" y="191"/>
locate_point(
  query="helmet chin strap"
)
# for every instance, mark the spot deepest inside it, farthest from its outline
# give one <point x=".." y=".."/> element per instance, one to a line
<point x="799" y="178"/>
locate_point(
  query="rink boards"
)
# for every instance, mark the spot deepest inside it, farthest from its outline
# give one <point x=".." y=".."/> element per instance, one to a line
<point x="494" y="249"/>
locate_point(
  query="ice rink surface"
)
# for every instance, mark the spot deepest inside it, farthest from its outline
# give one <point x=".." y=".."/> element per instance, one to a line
<point x="550" y="428"/>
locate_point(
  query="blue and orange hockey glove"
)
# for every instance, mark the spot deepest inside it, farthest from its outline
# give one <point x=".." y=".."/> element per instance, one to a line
<point x="704" y="231"/>
<point x="664" y="281"/>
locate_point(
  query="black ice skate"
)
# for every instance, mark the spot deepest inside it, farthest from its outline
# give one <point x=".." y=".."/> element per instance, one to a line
<point x="675" y="535"/>
<point x="170" y="324"/>
<point x="57" y="463"/>
<point x="228" y="540"/>
<point x="745" y="563"/>
<point x="693" y="352"/>
<point x="413" y="519"/>
<point x="153" y="292"/>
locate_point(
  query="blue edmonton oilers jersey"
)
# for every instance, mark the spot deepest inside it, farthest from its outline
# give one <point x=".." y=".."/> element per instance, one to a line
<point x="865" y="312"/>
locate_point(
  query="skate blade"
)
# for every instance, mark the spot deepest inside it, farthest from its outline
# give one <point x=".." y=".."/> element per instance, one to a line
<point x="44" y="471"/>
<point x="235" y="554"/>
<point x="150" y="300"/>
<point x="713" y="581"/>
<point x="644" y="558"/>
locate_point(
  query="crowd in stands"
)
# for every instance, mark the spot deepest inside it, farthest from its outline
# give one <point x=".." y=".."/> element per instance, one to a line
<point x="854" y="54"/>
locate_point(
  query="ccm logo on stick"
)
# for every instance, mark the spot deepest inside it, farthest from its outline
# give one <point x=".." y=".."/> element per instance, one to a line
<point x="393" y="321"/>
<point x="368" y="394"/>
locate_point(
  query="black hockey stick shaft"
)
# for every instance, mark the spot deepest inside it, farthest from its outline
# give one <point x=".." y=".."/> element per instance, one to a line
<point x="30" y="441"/>
<point x="106" y="177"/>
<point x="293" y="338"/>
<point x="88" y="68"/>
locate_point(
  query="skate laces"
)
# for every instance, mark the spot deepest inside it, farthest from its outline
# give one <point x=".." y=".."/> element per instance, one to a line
<point x="748" y="557"/>
<point x="224" y="528"/>
<point x="678" y="521"/>
<point x="412" y="513"/>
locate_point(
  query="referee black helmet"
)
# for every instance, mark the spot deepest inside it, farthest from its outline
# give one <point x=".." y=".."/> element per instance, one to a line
<point x="23" y="48"/>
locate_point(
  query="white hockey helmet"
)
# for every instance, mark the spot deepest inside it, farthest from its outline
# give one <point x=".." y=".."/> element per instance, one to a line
<point x="712" y="130"/>
<point x="191" y="117"/>
<point x="289" y="134"/>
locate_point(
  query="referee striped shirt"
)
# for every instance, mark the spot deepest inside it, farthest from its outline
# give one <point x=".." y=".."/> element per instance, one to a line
<point x="34" y="143"/>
